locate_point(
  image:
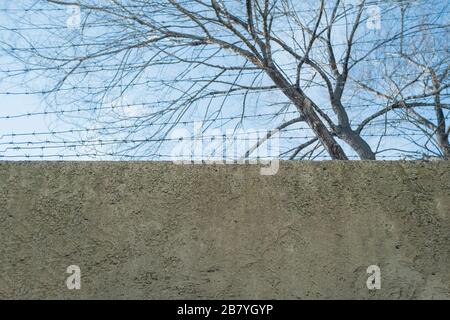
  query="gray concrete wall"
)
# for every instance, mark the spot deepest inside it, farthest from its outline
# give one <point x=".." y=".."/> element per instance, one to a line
<point x="159" y="230"/>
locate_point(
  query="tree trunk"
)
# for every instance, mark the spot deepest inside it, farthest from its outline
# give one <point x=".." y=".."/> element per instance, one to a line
<point x="305" y="107"/>
<point x="357" y="143"/>
<point x="442" y="135"/>
<point x="445" y="149"/>
<point x="345" y="132"/>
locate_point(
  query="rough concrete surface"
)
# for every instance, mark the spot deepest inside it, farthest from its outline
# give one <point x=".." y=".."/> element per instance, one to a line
<point x="149" y="230"/>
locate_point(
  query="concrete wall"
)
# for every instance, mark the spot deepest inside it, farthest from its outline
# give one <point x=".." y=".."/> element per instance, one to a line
<point x="159" y="230"/>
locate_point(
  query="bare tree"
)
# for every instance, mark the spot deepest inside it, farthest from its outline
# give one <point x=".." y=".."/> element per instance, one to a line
<point x="414" y="85"/>
<point x="209" y="55"/>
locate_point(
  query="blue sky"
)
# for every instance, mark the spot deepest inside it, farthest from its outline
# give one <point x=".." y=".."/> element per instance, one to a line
<point x="142" y="100"/>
